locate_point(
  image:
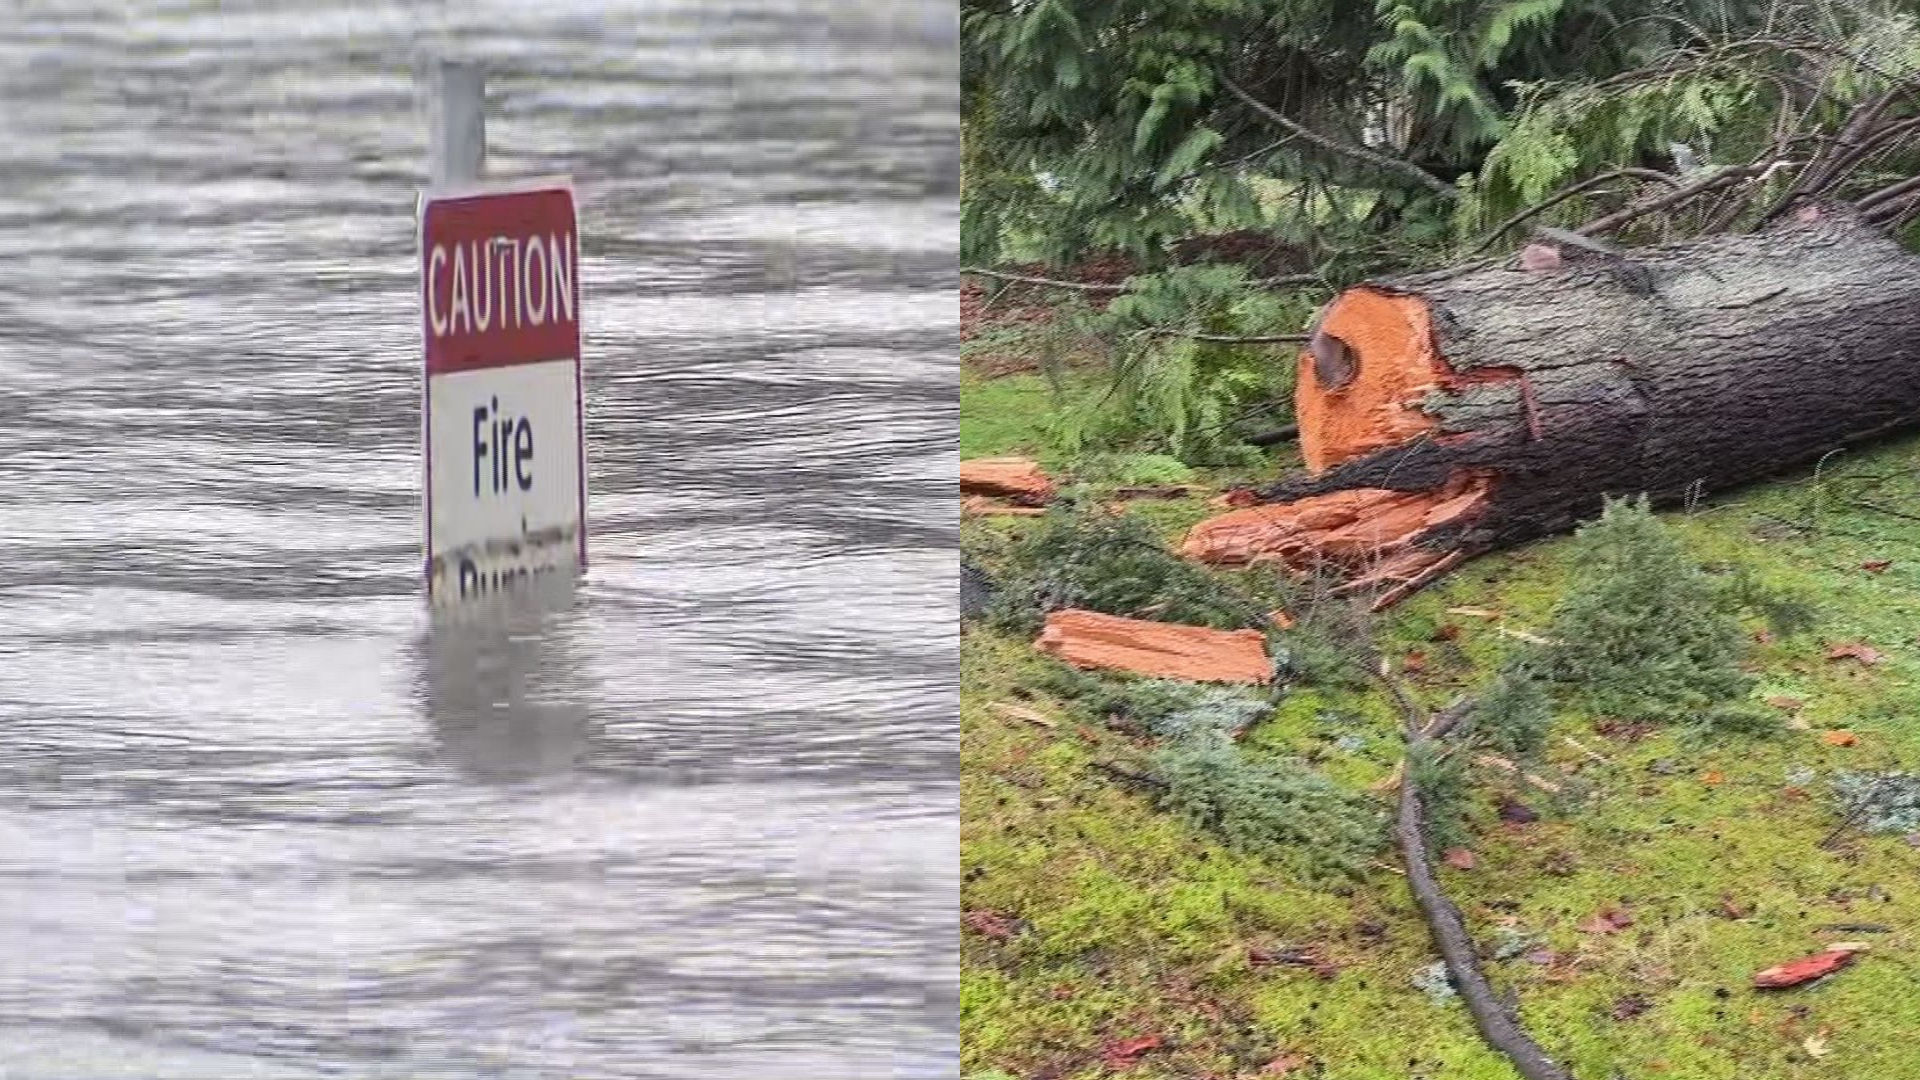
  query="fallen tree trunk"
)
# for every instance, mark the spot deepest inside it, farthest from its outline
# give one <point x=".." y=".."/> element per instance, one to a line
<point x="1445" y="414"/>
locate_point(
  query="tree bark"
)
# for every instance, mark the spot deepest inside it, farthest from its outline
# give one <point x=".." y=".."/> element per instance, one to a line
<point x="1672" y="371"/>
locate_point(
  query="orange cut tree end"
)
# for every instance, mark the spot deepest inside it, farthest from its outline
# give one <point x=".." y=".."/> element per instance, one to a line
<point x="1089" y="639"/>
<point x="1362" y="378"/>
<point x="1360" y="530"/>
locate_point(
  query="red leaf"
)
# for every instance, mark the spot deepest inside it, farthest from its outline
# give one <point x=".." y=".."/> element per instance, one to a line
<point x="1415" y="663"/>
<point x="1447" y="632"/>
<point x="1630" y="1006"/>
<point x="1854" y="650"/>
<point x="1284" y="1065"/>
<point x="1804" y="970"/>
<point x="1124" y="1052"/>
<point x="1459" y="858"/>
<point x="988" y="924"/>
<point x="1517" y="813"/>
<point x="1842" y="737"/>
<point x="1606" y="921"/>
<point x="1876" y="566"/>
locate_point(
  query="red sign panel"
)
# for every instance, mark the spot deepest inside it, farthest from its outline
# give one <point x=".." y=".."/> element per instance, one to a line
<point x="500" y="277"/>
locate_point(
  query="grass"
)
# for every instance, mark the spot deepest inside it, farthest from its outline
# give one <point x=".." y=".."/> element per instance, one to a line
<point x="1131" y="924"/>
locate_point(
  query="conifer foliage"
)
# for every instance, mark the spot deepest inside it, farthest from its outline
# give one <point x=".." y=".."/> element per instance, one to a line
<point x="1643" y="632"/>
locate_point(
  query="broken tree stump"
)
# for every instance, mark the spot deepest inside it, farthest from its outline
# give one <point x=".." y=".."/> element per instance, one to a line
<point x="1089" y="639"/>
<point x="1466" y="410"/>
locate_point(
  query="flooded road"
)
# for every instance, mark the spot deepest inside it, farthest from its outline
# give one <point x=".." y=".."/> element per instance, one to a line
<point x="260" y="814"/>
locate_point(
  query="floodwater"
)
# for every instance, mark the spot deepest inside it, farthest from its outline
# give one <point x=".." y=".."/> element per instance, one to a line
<point x="261" y="814"/>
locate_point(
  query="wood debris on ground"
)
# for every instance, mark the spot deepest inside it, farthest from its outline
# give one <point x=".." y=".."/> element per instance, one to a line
<point x="1015" y="478"/>
<point x="1089" y="639"/>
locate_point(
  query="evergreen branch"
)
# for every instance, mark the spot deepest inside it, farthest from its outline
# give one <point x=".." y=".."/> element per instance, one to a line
<point x="1326" y="142"/>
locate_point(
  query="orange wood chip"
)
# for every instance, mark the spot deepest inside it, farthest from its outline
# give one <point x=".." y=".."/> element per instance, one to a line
<point x="1088" y="639"/>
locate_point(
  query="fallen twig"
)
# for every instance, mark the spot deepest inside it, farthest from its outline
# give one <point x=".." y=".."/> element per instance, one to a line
<point x="1492" y="1016"/>
<point x="1582" y="747"/>
<point x="1021" y="712"/>
<point x="1128" y="776"/>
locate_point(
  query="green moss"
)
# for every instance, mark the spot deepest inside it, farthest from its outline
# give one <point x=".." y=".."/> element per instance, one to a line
<point x="1139" y="923"/>
<point x="1004" y="416"/>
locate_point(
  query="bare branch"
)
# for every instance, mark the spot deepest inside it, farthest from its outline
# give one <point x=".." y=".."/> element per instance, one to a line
<point x="1672" y="199"/>
<point x="1891" y="191"/>
<point x="1282" y="281"/>
<point x="1829" y="169"/>
<point x="1444" y="921"/>
<point x="1406" y="169"/>
<point x="1566" y="193"/>
<point x="1282" y="434"/>
<point x="1226" y="339"/>
<point x="1051" y="283"/>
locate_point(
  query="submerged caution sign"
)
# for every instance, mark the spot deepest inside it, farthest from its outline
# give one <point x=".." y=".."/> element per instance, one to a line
<point x="505" y="460"/>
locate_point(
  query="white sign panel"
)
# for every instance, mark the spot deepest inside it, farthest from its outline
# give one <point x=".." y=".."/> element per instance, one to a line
<point x="505" y="468"/>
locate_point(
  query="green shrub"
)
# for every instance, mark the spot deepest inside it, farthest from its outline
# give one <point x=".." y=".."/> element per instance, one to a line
<point x="1171" y="709"/>
<point x="1114" y="564"/>
<point x="1643" y="632"/>
<point x="1268" y="807"/>
<point x="1513" y="713"/>
<point x="1136" y="470"/>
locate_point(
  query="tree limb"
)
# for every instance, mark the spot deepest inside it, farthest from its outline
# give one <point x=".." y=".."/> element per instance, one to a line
<point x="1497" y="1026"/>
<point x="1228" y="339"/>
<point x="1673" y="198"/>
<point x="1891" y="191"/>
<point x="1282" y="281"/>
<point x="1051" y="283"/>
<point x="1281" y="434"/>
<point x="1566" y="193"/>
<point x="1359" y="153"/>
<point x="1444" y="921"/>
